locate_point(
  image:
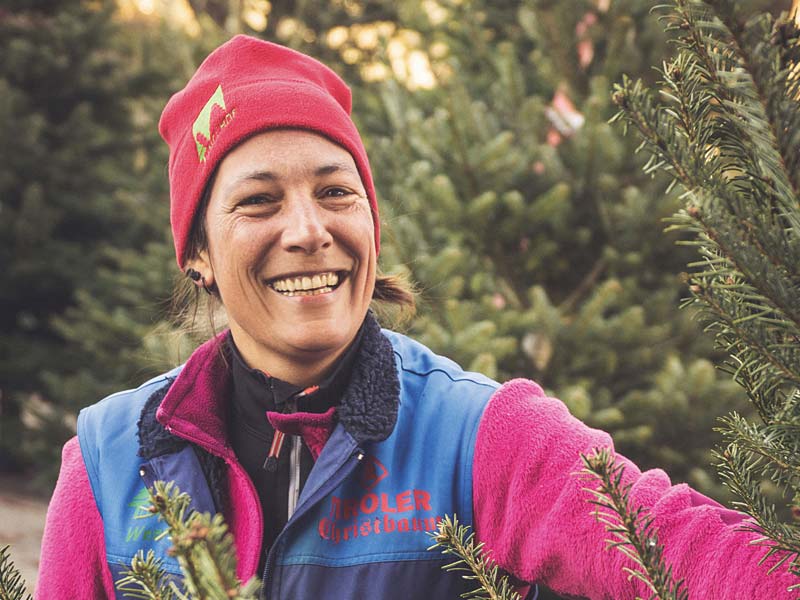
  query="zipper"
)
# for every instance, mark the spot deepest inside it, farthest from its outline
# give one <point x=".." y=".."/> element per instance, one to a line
<point x="347" y="466"/>
<point x="294" y="464"/>
<point x="294" y="475"/>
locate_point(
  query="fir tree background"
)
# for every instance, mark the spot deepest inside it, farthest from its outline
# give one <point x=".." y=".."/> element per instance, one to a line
<point x="524" y="217"/>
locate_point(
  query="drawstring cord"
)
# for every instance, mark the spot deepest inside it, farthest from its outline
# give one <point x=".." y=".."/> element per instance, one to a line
<point x="271" y="464"/>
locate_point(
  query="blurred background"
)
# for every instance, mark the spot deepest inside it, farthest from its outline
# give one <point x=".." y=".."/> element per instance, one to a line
<point x="523" y="216"/>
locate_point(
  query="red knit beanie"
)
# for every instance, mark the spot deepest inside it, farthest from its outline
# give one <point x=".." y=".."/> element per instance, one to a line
<point x="244" y="87"/>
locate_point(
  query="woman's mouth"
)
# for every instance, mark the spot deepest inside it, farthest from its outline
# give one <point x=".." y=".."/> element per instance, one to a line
<point x="308" y="285"/>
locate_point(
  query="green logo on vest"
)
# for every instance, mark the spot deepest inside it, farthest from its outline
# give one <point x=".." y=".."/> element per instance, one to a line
<point x="208" y="124"/>
<point x="140" y="504"/>
<point x="141" y="501"/>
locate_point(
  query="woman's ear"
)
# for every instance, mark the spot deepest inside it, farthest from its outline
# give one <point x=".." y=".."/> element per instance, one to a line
<point x="199" y="270"/>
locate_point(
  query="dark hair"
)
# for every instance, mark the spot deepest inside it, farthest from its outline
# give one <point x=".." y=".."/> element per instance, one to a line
<point x="393" y="299"/>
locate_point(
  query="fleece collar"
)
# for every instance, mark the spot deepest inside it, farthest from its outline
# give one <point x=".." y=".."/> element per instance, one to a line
<point x="368" y="410"/>
<point x="254" y="392"/>
<point x="195" y="405"/>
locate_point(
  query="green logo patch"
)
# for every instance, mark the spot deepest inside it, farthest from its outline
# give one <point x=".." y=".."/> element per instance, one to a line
<point x="209" y="122"/>
<point x="140" y="501"/>
<point x="140" y="504"/>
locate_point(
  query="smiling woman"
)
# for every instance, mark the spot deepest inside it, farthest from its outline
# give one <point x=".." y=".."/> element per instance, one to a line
<point x="286" y="209"/>
<point x="331" y="445"/>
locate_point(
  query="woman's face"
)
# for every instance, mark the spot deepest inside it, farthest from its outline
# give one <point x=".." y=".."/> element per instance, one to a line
<point x="290" y="249"/>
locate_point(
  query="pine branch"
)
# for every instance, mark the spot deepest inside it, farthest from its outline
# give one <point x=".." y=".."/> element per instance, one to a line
<point x="774" y="445"/>
<point x="633" y="531"/>
<point x="754" y="452"/>
<point x="741" y="117"/>
<point x="203" y="547"/>
<point x="457" y="540"/>
<point x="743" y="249"/>
<point x="726" y="127"/>
<point x="202" y="544"/>
<point x="763" y="359"/>
<point x="147" y="580"/>
<point x="773" y="87"/>
<point x="710" y="146"/>
<point x="12" y="586"/>
<point x="679" y="144"/>
<point x="739" y="471"/>
<point x="749" y="277"/>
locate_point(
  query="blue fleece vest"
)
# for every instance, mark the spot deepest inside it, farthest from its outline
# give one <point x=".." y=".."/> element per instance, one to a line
<point x="361" y="524"/>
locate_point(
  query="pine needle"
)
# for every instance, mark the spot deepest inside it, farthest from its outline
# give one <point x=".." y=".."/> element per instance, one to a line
<point x="632" y="530"/>
<point x="12" y="586"/>
<point x="204" y="549"/>
<point x="727" y="132"/>
<point x="457" y="540"/>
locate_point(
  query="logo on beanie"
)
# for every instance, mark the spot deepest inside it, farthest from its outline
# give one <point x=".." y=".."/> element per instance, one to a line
<point x="210" y="122"/>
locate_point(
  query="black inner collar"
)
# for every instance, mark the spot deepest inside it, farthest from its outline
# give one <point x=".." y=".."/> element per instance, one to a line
<point x="255" y="392"/>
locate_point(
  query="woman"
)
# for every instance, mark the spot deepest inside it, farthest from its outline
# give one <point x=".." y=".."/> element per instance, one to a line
<point x="332" y="446"/>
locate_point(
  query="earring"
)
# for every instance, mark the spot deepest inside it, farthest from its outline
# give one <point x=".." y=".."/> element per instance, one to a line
<point x="206" y="288"/>
<point x="196" y="276"/>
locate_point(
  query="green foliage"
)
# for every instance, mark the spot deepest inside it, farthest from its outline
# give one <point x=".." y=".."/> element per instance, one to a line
<point x="536" y="242"/>
<point x="632" y="530"/>
<point x="203" y="547"/>
<point x="86" y="251"/>
<point x="725" y="124"/>
<point x="61" y="113"/>
<point x="504" y="191"/>
<point x="146" y="579"/>
<point x="12" y="587"/>
<point x="457" y="540"/>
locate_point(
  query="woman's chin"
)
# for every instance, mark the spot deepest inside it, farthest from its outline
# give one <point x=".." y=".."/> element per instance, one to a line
<point x="320" y="341"/>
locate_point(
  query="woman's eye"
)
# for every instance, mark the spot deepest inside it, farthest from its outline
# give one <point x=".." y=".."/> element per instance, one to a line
<point x="256" y="200"/>
<point x="336" y="192"/>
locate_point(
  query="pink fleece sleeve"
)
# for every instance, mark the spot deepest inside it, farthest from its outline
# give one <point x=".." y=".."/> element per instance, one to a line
<point x="532" y="512"/>
<point x="73" y="563"/>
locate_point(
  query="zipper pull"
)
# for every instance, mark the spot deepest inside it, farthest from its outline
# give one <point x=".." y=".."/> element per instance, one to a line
<point x="271" y="464"/>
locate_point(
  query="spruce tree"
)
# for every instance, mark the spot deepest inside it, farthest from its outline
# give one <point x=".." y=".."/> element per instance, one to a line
<point x="725" y="126"/>
<point x="67" y="137"/>
<point x="118" y="327"/>
<point x="12" y="586"/>
<point x="86" y="252"/>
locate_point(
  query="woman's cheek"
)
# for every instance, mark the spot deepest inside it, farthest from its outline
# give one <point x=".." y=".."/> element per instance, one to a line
<point x="250" y="235"/>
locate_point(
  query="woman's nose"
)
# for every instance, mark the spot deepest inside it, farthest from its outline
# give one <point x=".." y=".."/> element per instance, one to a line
<point x="305" y="229"/>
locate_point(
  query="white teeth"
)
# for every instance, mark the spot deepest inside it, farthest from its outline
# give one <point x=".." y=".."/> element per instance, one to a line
<point x="316" y="284"/>
<point x="316" y="292"/>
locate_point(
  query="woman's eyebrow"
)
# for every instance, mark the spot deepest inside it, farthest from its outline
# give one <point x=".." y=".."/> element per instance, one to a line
<point x="335" y="167"/>
<point x="323" y="170"/>
<point x="252" y="176"/>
